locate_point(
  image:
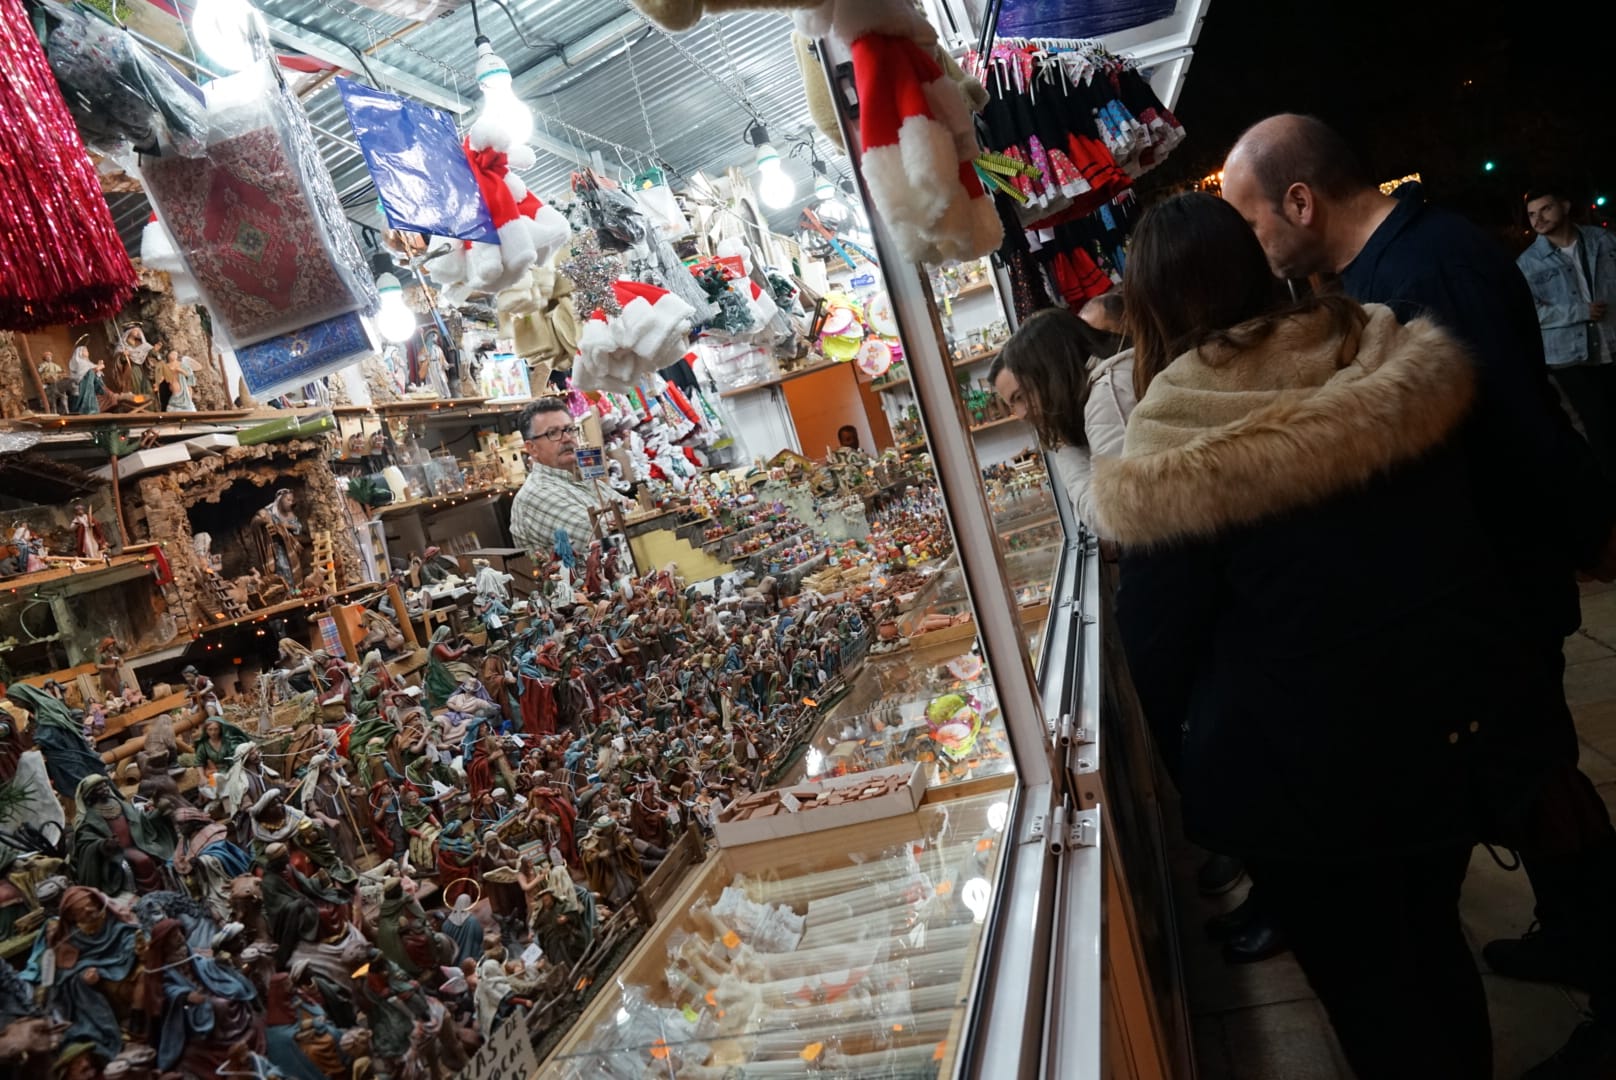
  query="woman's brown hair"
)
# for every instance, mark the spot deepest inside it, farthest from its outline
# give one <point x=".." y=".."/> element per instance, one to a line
<point x="1049" y="357"/>
<point x="1195" y="272"/>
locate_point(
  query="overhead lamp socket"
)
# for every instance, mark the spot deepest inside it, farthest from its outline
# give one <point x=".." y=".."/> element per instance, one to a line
<point x="757" y="134"/>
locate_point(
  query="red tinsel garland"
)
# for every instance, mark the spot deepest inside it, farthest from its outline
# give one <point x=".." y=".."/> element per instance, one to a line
<point x="61" y="259"/>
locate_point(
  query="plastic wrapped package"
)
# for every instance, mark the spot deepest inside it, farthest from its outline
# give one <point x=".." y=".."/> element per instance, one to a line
<point x="288" y="361"/>
<point x="119" y="92"/>
<point x="257" y="220"/>
<point x="735" y="364"/>
<point x="447" y="478"/>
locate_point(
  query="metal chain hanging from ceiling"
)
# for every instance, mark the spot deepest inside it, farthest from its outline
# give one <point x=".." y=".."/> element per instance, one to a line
<point x="639" y="95"/>
<point x="378" y="34"/>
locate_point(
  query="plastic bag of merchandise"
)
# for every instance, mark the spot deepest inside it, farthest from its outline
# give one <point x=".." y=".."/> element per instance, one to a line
<point x="414" y="155"/>
<point x="119" y="92"/>
<point x="259" y="225"/>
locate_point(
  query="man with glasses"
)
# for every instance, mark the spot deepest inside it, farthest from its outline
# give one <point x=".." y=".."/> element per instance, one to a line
<point x="553" y="496"/>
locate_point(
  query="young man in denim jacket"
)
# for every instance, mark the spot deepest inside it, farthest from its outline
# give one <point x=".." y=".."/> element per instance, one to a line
<point x="1572" y="271"/>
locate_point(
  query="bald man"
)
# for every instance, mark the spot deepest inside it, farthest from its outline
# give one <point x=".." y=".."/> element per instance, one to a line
<point x="1316" y="210"/>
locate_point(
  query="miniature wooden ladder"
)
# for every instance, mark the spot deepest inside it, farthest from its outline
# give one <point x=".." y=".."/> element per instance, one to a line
<point x="221" y="597"/>
<point x="325" y="560"/>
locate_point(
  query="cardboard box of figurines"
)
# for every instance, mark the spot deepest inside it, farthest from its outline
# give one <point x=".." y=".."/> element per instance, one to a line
<point x="827" y="803"/>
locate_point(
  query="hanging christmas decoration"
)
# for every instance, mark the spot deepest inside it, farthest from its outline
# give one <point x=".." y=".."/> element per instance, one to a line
<point x="733" y="317"/>
<point x="647" y="332"/>
<point x="61" y="259"/>
<point x="916" y="125"/>
<point x="592" y="273"/>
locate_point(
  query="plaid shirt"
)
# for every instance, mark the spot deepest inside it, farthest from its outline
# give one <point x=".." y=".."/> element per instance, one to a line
<point x="552" y="499"/>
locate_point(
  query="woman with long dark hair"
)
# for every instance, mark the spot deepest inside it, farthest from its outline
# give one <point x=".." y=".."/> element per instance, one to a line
<point x="1306" y="612"/>
<point x="1079" y="411"/>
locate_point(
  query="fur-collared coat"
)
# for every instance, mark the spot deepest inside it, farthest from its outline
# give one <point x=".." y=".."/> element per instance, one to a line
<point x="1305" y="597"/>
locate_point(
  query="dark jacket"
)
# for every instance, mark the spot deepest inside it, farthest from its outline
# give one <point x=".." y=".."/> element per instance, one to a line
<point x="1547" y="505"/>
<point x="1304" y="597"/>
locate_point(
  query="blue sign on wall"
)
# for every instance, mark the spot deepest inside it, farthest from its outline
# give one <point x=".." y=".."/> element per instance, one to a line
<point x="1061" y="18"/>
<point x="861" y="281"/>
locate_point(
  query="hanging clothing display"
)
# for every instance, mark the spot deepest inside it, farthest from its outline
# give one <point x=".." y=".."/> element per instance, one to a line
<point x="61" y="259"/>
<point x="120" y="94"/>
<point x="1072" y="126"/>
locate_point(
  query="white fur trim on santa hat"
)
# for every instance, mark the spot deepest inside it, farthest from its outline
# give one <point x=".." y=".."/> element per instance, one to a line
<point x="521" y="157"/>
<point x="550" y="232"/>
<point x="911" y="182"/>
<point x="655" y="330"/>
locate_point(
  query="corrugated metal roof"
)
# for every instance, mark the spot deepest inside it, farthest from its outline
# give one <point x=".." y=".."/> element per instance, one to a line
<point x="580" y="71"/>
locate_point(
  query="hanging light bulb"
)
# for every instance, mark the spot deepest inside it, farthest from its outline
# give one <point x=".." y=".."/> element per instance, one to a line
<point x="831" y="210"/>
<point x="223" y="32"/>
<point x="394" y="318"/>
<point x="775" y="188"/>
<point x="501" y="106"/>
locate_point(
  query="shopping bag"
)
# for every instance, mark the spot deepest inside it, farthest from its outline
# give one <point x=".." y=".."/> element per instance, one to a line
<point x="415" y="158"/>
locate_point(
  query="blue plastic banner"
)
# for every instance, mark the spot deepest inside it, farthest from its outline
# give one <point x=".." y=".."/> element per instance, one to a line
<point x="1061" y="18"/>
<point x="415" y="158"/>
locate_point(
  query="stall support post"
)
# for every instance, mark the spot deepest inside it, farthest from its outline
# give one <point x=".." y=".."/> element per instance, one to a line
<point x="958" y="475"/>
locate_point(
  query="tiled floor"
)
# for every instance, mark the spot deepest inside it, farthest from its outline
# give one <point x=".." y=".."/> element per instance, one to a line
<point x="1261" y="1022"/>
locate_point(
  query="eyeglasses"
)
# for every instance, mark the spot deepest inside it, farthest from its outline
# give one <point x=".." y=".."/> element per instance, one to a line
<point x="557" y="434"/>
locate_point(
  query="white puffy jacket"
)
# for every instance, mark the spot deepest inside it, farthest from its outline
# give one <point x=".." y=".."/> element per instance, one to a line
<point x="1105" y="422"/>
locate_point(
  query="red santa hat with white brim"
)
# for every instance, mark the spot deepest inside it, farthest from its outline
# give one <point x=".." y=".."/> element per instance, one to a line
<point x="917" y="131"/>
<point x="649" y="333"/>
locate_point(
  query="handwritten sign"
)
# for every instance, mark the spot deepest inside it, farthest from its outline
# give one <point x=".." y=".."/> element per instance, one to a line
<point x="862" y="281"/>
<point x="508" y="1054"/>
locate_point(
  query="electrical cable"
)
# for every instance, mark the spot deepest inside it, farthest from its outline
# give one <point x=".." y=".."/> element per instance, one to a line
<point x="544" y="43"/>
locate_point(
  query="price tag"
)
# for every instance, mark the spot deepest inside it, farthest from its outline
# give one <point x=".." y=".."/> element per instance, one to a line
<point x="731" y="939"/>
<point x="591" y="462"/>
<point x="812" y="1051"/>
<point x="711" y="998"/>
<point x="942" y="1048"/>
<point x="691" y="1014"/>
<point x="659" y="1050"/>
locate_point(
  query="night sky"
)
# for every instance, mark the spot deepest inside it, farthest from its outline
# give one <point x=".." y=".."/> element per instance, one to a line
<point x="1436" y="87"/>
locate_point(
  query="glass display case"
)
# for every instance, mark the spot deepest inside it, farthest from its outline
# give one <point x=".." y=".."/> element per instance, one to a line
<point x="852" y="959"/>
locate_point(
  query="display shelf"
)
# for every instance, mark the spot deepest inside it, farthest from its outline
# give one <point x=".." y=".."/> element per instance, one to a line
<point x="977" y="289"/>
<point x="410" y="405"/>
<point x="957" y="365"/>
<point x="996" y="423"/>
<point x="150" y="419"/>
<point x="442" y="502"/>
<point x="283" y="608"/>
<point x="434" y="409"/>
<point x="70" y="580"/>
<point x="776" y="380"/>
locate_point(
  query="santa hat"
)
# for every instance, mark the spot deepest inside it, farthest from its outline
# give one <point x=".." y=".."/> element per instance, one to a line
<point x="529" y="231"/>
<point x="917" y="131"/>
<point x="647" y="334"/>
